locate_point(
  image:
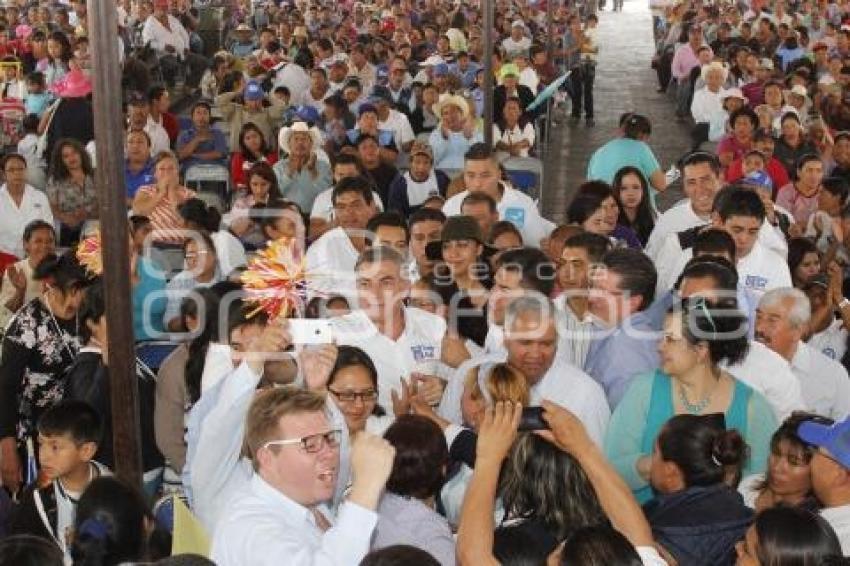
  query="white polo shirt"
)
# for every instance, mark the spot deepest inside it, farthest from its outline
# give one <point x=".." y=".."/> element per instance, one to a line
<point x="419" y="346"/>
<point x="832" y="341"/>
<point x="770" y="374"/>
<point x="516" y="207"/>
<point x="330" y="264"/>
<point x="13" y="219"/>
<point x="824" y="382"/>
<point x="399" y="125"/>
<point x="564" y="384"/>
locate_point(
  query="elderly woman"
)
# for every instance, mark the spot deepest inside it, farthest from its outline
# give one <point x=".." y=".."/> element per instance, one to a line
<point x="455" y="134"/>
<point x="160" y="202"/>
<point x="301" y="175"/>
<point x="743" y="123"/>
<point x="800" y="197"/>
<point x="707" y="104"/>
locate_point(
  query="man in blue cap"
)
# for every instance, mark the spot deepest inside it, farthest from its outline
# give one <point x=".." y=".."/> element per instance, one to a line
<point x="830" y="467"/>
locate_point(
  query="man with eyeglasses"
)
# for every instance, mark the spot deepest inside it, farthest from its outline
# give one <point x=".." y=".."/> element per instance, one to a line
<point x="481" y="175"/>
<point x="331" y="258"/>
<point x="281" y="514"/>
<point x="622" y="287"/>
<point x="403" y="342"/>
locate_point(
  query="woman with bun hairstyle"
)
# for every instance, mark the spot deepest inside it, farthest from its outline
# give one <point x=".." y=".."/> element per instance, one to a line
<point x="696" y="515"/>
<point x="40" y="344"/>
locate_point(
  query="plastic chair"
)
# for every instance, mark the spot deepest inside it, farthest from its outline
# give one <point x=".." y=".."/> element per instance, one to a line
<point x="201" y="175"/>
<point x="526" y="175"/>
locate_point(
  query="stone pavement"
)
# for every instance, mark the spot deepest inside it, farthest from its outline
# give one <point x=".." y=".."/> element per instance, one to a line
<point x="624" y="83"/>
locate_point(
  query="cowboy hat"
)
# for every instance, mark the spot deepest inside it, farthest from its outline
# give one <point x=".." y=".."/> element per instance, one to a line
<point x="73" y="85"/>
<point x="298" y="128"/>
<point x="451" y="100"/>
<point x="714" y="66"/>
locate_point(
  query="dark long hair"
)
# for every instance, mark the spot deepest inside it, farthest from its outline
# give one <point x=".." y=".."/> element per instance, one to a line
<point x="246" y="153"/>
<point x="540" y="482"/>
<point x="352" y="356"/>
<point x="644" y="221"/>
<point x="265" y="171"/>
<point x="208" y="299"/>
<point x="58" y="171"/>
<point x="791" y="535"/>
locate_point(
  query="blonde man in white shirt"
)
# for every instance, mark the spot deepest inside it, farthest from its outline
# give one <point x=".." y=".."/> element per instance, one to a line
<point x="280" y="514"/>
<point x="781" y="321"/>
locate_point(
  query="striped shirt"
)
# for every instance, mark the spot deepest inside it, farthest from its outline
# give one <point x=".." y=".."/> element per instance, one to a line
<point x="166" y="221"/>
<point x="575" y="336"/>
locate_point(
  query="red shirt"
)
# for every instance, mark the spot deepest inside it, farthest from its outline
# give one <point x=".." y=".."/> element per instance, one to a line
<point x="774" y="169"/>
<point x="239" y="168"/>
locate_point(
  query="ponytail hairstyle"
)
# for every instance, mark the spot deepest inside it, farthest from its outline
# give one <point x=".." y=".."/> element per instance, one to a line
<point x="202" y="217"/>
<point x="109" y="528"/>
<point x="703" y="450"/>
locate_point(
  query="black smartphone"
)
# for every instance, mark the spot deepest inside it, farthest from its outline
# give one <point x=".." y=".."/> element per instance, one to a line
<point x="532" y="419"/>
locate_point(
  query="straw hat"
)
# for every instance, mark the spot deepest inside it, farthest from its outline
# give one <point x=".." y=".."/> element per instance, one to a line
<point x="300" y="31"/>
<point x="451" y="100"/>
<point x="732" y="93"/>
<point x="298" y="127"/>
<point x="797" y="90"/>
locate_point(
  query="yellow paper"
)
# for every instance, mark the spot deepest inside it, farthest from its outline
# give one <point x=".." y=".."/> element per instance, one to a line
<point x="189" y="535"/>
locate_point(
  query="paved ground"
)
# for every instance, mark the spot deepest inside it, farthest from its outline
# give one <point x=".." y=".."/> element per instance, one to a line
<point x="624" y="82"/>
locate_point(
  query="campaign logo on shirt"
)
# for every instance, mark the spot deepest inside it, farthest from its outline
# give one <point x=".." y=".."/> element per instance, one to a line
<point x="515" y="216"/>
<point x="422" y="352"/>
<point x="830" y="352"/>
<point x="755" y="282"/>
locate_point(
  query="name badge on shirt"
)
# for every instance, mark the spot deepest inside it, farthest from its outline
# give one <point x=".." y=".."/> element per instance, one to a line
<point x="755" y="282"/>
<point x="515" y="216"/>
<point x="422" y="353"/>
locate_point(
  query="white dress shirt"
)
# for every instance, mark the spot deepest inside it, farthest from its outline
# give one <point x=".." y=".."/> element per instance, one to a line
<point x="156" y="34"/>
<point x="264" y="527"/>
<point x="330" y="264"/>
<point x="516" y="207"/>
<point x="563" y="384"/>
<point x="13" y="219"/>
<point x="770" y="374"/>
<point x="418" y="349"/>
<point x="839" y="519"/>
<point x="824" y="382"/>
<point x="676" y="219"/>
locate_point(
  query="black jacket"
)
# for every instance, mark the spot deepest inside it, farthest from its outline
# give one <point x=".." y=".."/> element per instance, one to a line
<point x="700" y="525"/>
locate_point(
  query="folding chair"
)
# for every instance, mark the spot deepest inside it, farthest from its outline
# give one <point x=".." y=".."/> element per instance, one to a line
<point x="203" y="175"/>
<point x="526" y="175"/>
<point x="153" y="353"/>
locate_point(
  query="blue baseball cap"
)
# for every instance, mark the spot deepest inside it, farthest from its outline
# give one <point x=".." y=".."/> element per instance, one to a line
<point x="759" y="178"/>
<point x="307" y="113"/>
<point x="834" y="438"/>
<point x="253" y="91"/>
<point x="441" y="70"/>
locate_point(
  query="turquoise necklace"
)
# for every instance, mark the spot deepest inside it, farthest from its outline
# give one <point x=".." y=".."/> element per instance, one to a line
<point x="694" y="408"/>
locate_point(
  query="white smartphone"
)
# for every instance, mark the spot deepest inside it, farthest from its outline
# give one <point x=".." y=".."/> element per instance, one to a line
<point x="309" y="331"/>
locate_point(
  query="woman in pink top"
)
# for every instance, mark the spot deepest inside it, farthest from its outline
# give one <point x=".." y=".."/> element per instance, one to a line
<point x="684" y="60"/>
<point x="800" y="197"/>
<point x="160" y="202"/>
<point x="743" y="122"/>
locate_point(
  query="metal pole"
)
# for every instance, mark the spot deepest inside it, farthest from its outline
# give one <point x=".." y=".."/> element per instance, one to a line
<point x="487" y="9"/>
<point x="550" y="37"/>
<point x="109" y="129"/>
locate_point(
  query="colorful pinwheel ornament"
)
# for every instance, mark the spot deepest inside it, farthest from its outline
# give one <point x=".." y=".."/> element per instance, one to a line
<point x="275" y="281"/>
<point x="90" y="255"/>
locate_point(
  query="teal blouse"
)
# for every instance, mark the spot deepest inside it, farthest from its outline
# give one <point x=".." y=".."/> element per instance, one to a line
<point x="648" y="404"/>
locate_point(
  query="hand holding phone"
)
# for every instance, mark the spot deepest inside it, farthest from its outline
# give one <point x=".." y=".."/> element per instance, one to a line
<point x="532" y="419"/>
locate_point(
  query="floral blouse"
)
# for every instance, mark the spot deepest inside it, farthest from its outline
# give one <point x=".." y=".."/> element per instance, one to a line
<point x="37" y="350"/>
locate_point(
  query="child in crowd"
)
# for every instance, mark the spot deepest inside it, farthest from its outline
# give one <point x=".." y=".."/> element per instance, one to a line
<point x="28" y="148"/>
<point x="68" y="437"/>
<point x="37" y="96"/>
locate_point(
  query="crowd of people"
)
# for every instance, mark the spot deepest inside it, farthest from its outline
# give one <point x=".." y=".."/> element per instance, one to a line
<point x="632" y="386"/>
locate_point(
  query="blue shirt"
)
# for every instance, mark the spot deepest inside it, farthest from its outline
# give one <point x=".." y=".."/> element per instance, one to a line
<point x="136" y="180"/>
<point x="467" y="77"/>
<point x="217" y="143"/>
<point x="147" y="316"/>
<point x="616" y="154"/>
<point x="617" y="355"/>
